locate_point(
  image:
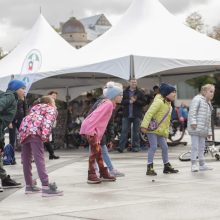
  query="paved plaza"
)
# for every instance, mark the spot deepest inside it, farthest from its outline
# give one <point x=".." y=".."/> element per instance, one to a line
<point x="179" y="196"/>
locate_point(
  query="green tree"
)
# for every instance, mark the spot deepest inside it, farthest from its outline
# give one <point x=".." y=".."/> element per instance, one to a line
<point x="215" y="32"/>
<point x="200" y="81"/>
<point x="195" y="21"/>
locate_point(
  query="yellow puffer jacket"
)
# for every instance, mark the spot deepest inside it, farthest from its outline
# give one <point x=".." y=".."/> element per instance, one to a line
<point x="158" y="110"/>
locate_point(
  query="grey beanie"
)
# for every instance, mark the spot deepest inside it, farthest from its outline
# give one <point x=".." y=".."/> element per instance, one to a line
<point x="112" y="89"/>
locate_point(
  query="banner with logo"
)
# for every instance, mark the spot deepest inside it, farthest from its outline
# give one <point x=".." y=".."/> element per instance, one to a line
<point x="31" y="65"/>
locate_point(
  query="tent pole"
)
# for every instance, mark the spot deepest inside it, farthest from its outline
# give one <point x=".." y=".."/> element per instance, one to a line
<point x="66" y="124"/>
<point x="132" y="76"/>
<point x="132" y="73"/>
<point x="159" y="79"/>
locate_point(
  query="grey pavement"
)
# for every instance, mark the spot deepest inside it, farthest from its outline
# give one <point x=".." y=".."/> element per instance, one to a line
<point x="179" y="196"/>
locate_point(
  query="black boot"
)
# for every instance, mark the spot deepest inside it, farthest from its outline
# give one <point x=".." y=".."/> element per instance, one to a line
<point x="150" y="170"/>
<point x="7" y="182"/>
<point x="51" y="157"/>
<point x="169" y="169"/>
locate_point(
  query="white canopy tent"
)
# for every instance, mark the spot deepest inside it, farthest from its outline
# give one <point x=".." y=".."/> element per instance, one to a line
<point x="148" y="41"/>
<point x="43" y="51"/>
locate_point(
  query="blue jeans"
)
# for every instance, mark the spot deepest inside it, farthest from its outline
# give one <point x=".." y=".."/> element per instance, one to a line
<point x="154" y="140"/>
<point x="105" y="157"/>
<point x="126" y="124"/>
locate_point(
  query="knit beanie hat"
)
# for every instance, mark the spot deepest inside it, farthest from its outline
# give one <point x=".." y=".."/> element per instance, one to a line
<point x="166" y="89"/>
<point x="15" y="84"/>
<point x="112" y="89"/>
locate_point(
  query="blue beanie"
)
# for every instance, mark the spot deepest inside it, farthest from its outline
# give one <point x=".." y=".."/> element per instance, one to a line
<point x="112" y="89"/>
<point x="15" y="84"/>
<point x="166" y="89"/>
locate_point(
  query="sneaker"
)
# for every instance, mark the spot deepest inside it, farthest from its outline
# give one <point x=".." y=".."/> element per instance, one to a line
<point x="116" y="173"/>
<point x="9" y="183"/>
<point x="53" y="157"/>
<point x="51" y="190"/>
<point x="194" y="168"/>
<point x="1" y="189"/>
<point x="32" y="189"/>
<point x="13" y="162"/>
<point x="120" y="150"/>
<point x="135" y="150"/>
<point x="205" y="168"/>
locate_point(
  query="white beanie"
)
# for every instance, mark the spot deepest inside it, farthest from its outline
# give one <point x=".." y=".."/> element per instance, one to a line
<point x="112" y="89"/>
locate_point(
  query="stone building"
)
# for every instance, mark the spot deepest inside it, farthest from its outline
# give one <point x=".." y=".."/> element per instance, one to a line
<point x="80" y="32"/>
<point x="74" y="32"/>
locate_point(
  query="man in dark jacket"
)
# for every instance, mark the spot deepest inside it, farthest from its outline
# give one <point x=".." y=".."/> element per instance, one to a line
<point x="132" y="102"/>
<point x="8" y="108"/>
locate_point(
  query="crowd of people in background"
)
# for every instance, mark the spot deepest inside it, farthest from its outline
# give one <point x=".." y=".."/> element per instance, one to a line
<point x="150" y="113"/>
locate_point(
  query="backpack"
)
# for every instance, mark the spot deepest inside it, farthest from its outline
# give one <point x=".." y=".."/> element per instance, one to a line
<point x="8" y="156"/>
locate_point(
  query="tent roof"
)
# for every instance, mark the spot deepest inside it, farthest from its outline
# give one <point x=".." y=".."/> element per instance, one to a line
<point x="43" y="46"/>
<point x="147" y="41"/>
<point x="157" y="45"/>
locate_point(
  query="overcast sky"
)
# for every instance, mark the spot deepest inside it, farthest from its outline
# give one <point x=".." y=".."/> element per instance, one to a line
<point x="18" y="16"/>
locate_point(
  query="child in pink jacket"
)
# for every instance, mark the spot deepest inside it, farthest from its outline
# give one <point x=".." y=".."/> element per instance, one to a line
<point x="94" y="126"/>
<point x="34" y="130"/>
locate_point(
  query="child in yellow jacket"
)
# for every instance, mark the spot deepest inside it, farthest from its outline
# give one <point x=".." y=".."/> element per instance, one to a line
<point x="160" y="110"/>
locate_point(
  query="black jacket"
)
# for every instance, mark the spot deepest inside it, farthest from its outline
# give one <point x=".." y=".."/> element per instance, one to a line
<point x="21" y="112"/>
<point x="137" y="105"/>
<point x="8" y="107"/>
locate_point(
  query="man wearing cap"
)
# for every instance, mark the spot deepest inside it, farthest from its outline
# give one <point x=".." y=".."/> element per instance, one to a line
<point x="8" y="108"/>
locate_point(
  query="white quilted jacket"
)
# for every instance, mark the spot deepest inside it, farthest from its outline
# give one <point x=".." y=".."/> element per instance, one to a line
<point x="200" y="114"/>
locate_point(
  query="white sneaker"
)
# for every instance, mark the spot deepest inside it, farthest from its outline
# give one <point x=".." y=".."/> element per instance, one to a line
<point x="205" y="168"/>
<point x="194" y="168"/>
<point x="116" y="173"/>
<point x="1" y="189"/>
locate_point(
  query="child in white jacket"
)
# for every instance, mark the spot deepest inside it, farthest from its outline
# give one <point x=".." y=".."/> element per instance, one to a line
<point x="199" y="125"/>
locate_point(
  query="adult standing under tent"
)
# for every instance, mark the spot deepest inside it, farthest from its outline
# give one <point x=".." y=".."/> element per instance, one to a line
<point x="132" y="102"/>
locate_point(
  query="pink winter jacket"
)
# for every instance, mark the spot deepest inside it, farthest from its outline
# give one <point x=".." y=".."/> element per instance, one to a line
<point x="38" y="122"/>
<point x="96" y="122"/>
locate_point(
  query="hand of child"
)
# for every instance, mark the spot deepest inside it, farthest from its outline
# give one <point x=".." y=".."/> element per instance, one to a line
<point x="110" y="145"/>
<point x="193" y="126"/>
<point x="10" y="126"/>
<point x="144" y="130"/>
